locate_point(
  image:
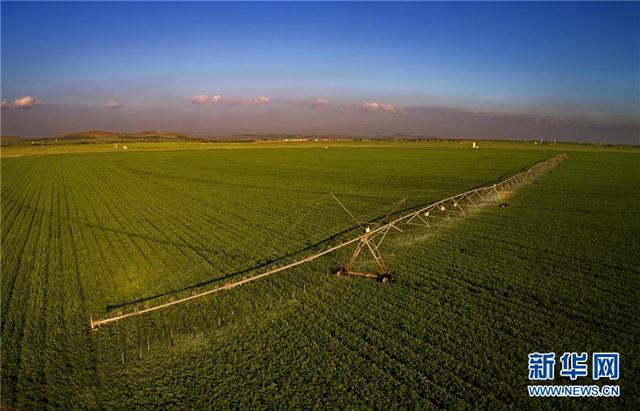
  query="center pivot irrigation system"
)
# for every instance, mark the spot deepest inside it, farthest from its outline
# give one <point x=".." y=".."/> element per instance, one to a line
<point x="374" y="234"/>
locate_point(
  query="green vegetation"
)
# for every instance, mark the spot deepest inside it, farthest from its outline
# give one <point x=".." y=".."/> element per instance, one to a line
<point x="93" y="233"/>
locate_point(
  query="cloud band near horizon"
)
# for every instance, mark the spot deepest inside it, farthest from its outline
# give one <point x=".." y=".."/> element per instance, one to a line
<point x="215" y="115"/>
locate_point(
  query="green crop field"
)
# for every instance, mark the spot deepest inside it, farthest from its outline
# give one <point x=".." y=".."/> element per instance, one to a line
<point x="89" y="234"/>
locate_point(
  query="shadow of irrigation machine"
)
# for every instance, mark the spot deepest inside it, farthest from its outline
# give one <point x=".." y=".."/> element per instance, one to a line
<point x="374" y="233"/>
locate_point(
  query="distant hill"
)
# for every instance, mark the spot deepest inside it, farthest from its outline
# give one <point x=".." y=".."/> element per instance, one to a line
<point x="161" y="135"/>
<point x="92" y="134"/>
<point x="10" y="140"/>
<point x="104" y="137"/>
<point x="99" y="136"/>
<point x="108" y="136"/>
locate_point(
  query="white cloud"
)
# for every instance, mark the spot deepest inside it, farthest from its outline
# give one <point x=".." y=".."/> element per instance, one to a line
<point x="112" y="104"/>
<point x="249" y="101"/>
<point x="367" y="106"/>
<point x="203" y="99"/>
<point x="22" y="102"/>
<point x="200" y="98"/>
<point x="319" y="102"/>
<point x="389" y="108"/>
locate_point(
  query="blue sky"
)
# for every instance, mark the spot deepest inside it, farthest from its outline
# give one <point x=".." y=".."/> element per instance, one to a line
<point x="560" y="63"/>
